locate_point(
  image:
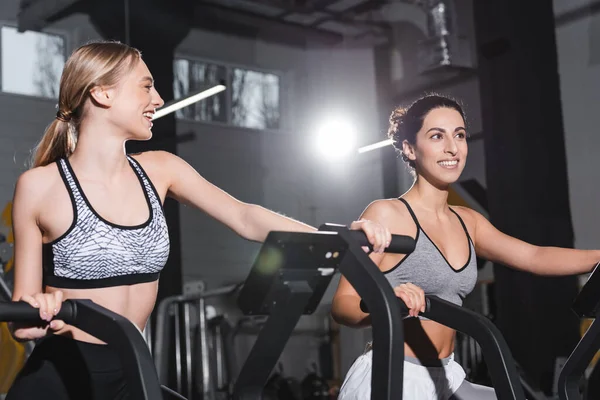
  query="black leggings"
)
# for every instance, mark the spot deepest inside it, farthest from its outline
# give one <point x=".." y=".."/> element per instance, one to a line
<point x="62" y="368"/>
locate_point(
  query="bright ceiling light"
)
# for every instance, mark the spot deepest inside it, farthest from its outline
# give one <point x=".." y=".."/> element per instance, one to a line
<point x="336" y="139"/>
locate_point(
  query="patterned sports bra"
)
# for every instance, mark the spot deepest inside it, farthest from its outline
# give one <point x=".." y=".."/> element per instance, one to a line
<point x="95" y="253"/>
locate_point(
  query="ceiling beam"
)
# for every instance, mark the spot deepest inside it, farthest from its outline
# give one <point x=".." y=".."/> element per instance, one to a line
<point x="577" y="13"/>
<point x="215" y="17"/>
<point x="301" y="7"/>
<point x="348" y="15"/>
<point x="34" y="15"/>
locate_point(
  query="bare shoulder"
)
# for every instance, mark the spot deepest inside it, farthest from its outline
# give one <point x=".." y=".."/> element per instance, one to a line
<point x="167" y="171"/>
<point x="156" y="163"/>
<point x="158" y="160"/>
<point x="35" y="186"/>
<point x="392" y="213"/>
<point x="37" y="181"/>
<point x="465" y="212"/>
<point x="469" y="216"/>
<point x="152" y="158"/>
<point x="382" y="207"/>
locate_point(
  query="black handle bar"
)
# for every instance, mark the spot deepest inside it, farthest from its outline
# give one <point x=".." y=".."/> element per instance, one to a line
<point x="399" y="244"/>
<point x="21" y="311"/>
<point x="495" y="350"/>
<point x="110" y="327"/>
<point x="365" y="309"/>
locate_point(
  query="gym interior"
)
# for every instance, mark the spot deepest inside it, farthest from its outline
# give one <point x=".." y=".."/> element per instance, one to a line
<point x="298" y="125"/>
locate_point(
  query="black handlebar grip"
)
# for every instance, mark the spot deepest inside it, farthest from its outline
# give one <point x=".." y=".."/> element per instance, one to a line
<point x="20" y="311"/>
<point x="363" y="307"/>
<point x="399" y="244"/>
<point x="403" y="307"/>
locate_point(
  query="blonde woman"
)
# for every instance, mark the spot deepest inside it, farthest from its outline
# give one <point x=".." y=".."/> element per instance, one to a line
<point x="89" y="222"/>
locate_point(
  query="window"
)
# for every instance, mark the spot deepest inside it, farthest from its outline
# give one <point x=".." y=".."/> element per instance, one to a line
<point x="32" y="62"/>
<point x="250" y="101"/>
<point x="255" y="99"/>
<point x="191" y="76"/>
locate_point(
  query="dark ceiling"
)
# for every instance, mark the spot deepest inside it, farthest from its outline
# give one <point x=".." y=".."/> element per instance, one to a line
<point x="295" y="22"/>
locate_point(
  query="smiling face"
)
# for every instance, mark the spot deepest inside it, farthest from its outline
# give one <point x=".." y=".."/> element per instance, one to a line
<point x="135" y="102"/>
<point x="439" y="153"/>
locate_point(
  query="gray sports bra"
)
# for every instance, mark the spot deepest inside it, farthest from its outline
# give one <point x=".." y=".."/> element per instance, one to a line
<point x="427" y="267"/>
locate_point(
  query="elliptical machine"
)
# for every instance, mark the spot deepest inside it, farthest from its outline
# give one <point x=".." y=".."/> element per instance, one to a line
<point x="117" y="331"/>
<point x="586" y="305"/>
<point x="288" y="279"/>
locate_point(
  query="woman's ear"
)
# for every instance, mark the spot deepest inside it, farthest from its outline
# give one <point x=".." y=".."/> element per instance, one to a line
<point x="408" y="150"/>
<point x="102" y="96"/>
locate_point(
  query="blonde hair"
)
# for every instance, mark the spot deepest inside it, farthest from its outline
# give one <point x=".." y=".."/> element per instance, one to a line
<point x="101" y="63"/>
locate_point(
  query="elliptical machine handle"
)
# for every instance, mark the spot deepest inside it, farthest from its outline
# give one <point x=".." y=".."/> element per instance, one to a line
<point x="20" y="311"/>
<point x="404" y="308"/>
<point x="400" y="244"/>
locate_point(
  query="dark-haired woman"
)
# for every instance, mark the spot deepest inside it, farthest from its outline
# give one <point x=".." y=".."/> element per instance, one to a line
<point x="431" y="137"/>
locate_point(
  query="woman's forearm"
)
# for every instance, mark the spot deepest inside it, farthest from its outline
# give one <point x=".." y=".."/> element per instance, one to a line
<point x="563" y="261"/>
<point x="258" y="222"/>
<point x="345" y="310"/>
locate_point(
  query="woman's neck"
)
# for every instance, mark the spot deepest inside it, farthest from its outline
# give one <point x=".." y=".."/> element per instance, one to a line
<point x="428" y="196"/>
<point x="99" y="155"/>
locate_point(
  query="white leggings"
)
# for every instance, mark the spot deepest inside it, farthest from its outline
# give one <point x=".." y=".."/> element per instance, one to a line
<point x="420" y="382"/>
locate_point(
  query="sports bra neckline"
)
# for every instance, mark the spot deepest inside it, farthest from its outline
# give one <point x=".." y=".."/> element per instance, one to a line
<point x="93" y="210"/>
<point x="420" y="229"/>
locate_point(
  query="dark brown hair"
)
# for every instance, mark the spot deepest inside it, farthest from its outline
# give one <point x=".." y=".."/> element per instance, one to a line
<point x="405" y="123"/>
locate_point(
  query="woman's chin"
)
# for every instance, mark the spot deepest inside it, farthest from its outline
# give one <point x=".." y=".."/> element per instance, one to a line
<point x="442" y="181"/>
<point x="141" y="137"/>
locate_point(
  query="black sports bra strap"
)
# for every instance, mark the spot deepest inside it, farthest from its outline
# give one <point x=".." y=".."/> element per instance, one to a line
<point x="67" y="176"/>
<point x="412" y="213"/>
<point x="136" y="167"/>
<point x="461" y="222"/>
